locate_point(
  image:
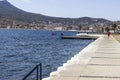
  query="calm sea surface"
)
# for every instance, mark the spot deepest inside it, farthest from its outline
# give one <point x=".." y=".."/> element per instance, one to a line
<point x="21" y="50"/>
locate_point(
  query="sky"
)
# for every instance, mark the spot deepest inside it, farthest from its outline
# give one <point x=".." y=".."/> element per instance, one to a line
<point x="108" y="9"/>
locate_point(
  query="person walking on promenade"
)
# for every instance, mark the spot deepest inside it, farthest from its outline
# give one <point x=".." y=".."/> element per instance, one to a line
<point x="108" y="33"/>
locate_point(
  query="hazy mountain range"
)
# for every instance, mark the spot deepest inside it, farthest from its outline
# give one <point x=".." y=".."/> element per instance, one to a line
<point x="9" y="11"/>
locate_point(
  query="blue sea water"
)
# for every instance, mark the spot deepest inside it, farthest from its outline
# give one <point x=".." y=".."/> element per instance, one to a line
<point x="21" y="50"/>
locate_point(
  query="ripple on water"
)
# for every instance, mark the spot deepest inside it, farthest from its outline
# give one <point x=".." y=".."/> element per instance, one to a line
<point x="21" y="50"/>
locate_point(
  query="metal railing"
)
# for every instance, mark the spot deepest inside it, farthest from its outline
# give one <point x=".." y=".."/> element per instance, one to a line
<point x="38" y="69"/>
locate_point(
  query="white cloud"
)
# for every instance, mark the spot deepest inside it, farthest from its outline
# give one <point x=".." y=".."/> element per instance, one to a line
<point x="27" y="1"/>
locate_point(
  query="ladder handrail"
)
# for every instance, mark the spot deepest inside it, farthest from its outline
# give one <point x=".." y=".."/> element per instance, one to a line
<point x="38" y="73"/>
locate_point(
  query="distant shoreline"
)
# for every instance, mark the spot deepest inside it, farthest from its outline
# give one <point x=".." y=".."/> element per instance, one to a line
<point x="38" y="29"/>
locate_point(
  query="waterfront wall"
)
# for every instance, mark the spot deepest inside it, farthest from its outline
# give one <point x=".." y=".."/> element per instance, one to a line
<point x="76" y="64"/>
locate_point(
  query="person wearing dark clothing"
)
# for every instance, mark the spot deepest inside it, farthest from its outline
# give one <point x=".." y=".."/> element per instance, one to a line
<point x="108" y="34"/>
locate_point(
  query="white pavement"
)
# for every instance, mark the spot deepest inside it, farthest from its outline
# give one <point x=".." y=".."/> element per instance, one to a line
<point x="98" y="61"/>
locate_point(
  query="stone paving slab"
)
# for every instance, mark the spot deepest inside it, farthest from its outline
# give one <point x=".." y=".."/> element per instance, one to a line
<point x="69" y="78"/>
<point x="108" y="49"/>
<point x="99" y="79"/>
<point x="102" y="52"/>
<point x="101" y="71"/>
<point x="73" y="71"/>
<point x="107" y="55"/>
<point x="105" y="61"/>
<point x="63" y="78"/>
<point x="77" y="60"/>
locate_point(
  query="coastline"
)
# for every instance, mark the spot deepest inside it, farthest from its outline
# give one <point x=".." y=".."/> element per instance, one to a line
<point x="94" y="62"/>
<point x="81" y="59"/>
<point x="42" y="45"/>
<point x="37" y="29"/>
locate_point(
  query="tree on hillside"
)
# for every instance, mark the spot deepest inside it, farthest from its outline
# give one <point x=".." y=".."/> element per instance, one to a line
<point x="114" y="26"/>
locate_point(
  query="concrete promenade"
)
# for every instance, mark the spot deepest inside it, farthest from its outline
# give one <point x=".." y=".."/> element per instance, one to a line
<point x="98" y="61"/>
